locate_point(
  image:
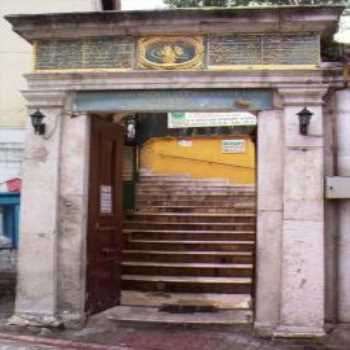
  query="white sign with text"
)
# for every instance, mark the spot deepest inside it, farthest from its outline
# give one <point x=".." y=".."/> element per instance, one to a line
<point x="200" y="120"/>
<point x="233" y="146"/>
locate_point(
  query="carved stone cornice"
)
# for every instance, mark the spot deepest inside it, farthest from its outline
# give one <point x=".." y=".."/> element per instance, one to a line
<point x="180" y="21"/>
<point x="141" y="80"/>
<point x="45" y="99"/>
<point x="300" y="96"/>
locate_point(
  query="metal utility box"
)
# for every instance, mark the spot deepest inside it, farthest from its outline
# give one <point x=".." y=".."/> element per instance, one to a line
<point x="338" y="187"/>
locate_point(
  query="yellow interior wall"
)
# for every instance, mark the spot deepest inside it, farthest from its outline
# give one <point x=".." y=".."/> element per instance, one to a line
<point x="203" y="160"/>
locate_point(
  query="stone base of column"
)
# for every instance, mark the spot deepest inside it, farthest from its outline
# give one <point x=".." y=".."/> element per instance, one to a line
<point x="284" y="331"/>
<point x="264" y="329"/>
<point x="73" y="320"/>
<point x="34" y="320"/>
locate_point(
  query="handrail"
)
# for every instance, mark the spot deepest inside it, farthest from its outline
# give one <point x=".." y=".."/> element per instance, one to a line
<point x="206" y="161"/>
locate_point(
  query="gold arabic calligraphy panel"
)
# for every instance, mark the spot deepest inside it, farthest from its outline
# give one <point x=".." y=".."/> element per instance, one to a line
<point x="168" y="53"/>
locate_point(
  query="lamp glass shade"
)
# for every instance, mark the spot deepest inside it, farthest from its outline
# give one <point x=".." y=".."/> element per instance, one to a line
<point x="305" y="116"/>
<point x="37" y="122"/>
<point x="304" y="120"/>
<point x="37" y="118"/>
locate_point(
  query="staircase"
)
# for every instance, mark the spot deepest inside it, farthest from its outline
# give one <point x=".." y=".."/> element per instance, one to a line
<point x="190" y="236"/>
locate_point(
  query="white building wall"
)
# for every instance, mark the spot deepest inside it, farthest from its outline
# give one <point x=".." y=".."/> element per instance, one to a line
<point x="343" y="35"/>
<point x="16" y="59"/>
<point x="11" y="153"/>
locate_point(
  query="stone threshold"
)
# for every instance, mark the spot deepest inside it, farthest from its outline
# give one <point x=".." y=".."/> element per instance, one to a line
<point x="151" y="315"/>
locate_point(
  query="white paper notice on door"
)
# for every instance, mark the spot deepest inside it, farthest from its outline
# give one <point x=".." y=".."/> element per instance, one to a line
<point x="106" y="205"/>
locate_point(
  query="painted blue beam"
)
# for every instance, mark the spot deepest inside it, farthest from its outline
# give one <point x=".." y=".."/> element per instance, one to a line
<point x="174" y="100"/>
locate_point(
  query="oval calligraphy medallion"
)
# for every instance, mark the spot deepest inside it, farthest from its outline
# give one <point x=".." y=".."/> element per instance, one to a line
<point x="170" y="52"/>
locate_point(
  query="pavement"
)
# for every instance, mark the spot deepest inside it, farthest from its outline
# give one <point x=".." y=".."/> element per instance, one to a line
<point x="5" y="345"/>
<point x="101" y="333"/>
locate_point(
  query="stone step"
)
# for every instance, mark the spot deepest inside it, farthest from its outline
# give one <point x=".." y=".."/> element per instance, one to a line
<point x="237" y="208"/>
<point x="207" y="185"/>
<point x="218" y="246"/>
<point x="154" y="177"/>
<point x="193" y="186"/>
<point x="203" y="195"/>
<point x="151" y="315"/>
<point x="209" y="257"/>
<point x="192" y="218"/>
<point x="194" y="201"/>
<point x="165" y="180"/>
<point x="204" y="186"/>
<point x="214" y="300"/>
<point x="176" y="177"/>
<point x="190" y="235"/>
<point x="184" y="284"/>
<point x="149" y="180"/>
<point x="218" y="226"/>
<point x="204" y="182"/>
<point x="187" y="269"/>
<point x="190" y="182"/>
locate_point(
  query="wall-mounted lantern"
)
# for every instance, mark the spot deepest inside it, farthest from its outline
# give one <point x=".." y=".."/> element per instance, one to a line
<point x="304" y="120"/>
<point x="130" y="130"/>
<point x="37" y="122"/>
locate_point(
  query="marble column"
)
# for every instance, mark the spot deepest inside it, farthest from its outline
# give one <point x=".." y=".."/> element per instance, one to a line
<point x="269" y="220"/>
<point x="36" y="297"/>
<point x="343" y="164"/>
<point x="302" y="305"/>
<point x="73" y="219"/>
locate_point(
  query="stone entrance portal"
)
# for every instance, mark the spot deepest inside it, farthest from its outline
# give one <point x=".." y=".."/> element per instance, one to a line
<point x="93" y="62"/>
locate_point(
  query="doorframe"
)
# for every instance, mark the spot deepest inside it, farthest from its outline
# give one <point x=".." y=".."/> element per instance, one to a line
<point x="254" y="282"/>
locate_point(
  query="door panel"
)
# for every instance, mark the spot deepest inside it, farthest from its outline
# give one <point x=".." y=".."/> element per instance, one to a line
<point x="105" y="216"/>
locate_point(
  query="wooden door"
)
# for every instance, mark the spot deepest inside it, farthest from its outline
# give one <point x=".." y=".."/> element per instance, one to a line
<point x="105" y="216"/>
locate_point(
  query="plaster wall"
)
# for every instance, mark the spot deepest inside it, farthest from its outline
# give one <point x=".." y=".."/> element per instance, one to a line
<point x="202" y="158"/>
